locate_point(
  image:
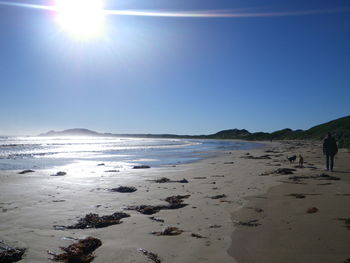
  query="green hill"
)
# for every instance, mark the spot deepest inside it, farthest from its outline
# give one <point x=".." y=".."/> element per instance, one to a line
<point x="340" y="129"/>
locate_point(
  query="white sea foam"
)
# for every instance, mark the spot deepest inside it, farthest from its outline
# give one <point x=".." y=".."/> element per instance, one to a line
<point x="43" y="152"/>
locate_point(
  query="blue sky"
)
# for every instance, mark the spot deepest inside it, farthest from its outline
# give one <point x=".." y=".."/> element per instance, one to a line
<point x="177" y="75"/>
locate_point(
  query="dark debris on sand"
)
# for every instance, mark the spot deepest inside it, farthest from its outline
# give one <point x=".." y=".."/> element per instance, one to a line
<point x="197" y="235"/>
<point x="251" y="223"/>
<point x="262" y="157"/>
<point x="141" y="167"/>
<point x="10" y="254"/>
<point x="218" y="196"/>
<point x="145" y="209"/>
<point x="169" y="231"/>
<point x="80" y="252"/>
<point x="327" y="177"/>
<point x="152" y="256"/>
<point x="162" y="180"/>
<point x="167" y="180"/>
<point x="346" y="222"/>
<point x="175" y="202"/>
<point x="96" y="221"/>
<point x="312" y="210"/>
<point x="25" y="172"/>
<point x="298" y="196"/>
<point x="124" y="189"/>
<point x="176" y="199"/>
<point x="156" y="219"/>
<point x="284" y="171"/>
<point x="317" y="177"/>
<point x="59" y="174"/>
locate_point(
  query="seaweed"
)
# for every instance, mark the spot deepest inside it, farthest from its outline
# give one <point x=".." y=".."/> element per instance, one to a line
<point x="95" y="221"/>
<point x="312" y="210"/>
<point x="152" y="256"/>
<point x="26" y="171"/>
<point x="169" y="231"/>
<point x="167" y="180"/>
<point x="175" y="202"/>
<point x="197" y="235"/>
<point x="59" y="174"/>
<point x="124" y="189"/>
<point x="79" y="252"/>
<point x="262" y="157"/>
<point x="176" y="199"/>
<point x="218" y="196"/>
<point x="156" y="219"/>
<point x="251" y="223"/>
<point x="141" y="167"/>
<point x="327" y="177"/>
<point x="284" y="171"/>
<point x="298" y="196"/>
<point x="10" y="254"/>
<point x="346" y="222"/>
<point x="162" y="180"/>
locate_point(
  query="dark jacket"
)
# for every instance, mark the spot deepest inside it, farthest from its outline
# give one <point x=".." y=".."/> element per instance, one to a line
<point x="330" y="146"/>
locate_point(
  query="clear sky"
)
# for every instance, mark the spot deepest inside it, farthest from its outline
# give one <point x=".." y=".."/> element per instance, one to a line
<point x="280" y="64"/>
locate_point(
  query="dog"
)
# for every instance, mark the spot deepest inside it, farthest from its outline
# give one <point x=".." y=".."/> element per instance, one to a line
<point x="301" y="161"/>
<point x="292" y="158"/>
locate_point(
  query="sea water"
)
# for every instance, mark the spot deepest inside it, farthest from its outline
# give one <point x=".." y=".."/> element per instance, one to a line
<point x="46" y="152"/>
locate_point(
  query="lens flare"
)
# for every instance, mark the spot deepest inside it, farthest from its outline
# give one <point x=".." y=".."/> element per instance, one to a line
<point x="83" y="19"/>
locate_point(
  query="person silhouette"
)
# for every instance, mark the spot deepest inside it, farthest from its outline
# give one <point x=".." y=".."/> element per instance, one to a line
<point x="330" y="149"/>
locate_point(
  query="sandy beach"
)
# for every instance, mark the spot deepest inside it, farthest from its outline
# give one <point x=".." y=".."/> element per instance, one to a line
<point x="239" y="209"/>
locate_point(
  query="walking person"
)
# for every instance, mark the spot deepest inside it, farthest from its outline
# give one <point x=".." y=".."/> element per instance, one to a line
<point x="330" y="149"/>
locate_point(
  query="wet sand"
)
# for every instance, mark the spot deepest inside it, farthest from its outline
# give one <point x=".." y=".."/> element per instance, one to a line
<point x="31" y="204"/>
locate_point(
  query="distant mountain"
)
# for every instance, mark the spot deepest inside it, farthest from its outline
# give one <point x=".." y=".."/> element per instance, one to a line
<point x="340" y="128"/>
<point x="72" y="132"/>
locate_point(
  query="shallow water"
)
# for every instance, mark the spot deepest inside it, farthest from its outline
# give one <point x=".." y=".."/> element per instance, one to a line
<point x="47" y="152"/>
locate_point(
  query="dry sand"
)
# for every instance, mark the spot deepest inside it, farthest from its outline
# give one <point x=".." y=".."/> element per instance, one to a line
<point x="287" y="232"/>
<point x="31" y="204"/>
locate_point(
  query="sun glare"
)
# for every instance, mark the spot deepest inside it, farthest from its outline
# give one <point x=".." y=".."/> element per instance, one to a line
<point x="83" y="19"/>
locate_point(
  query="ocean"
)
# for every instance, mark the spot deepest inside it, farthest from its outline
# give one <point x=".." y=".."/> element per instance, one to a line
<point x="47" y="152"/>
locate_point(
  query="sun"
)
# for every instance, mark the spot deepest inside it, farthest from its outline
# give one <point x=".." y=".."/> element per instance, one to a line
<point x="83" y="19"/>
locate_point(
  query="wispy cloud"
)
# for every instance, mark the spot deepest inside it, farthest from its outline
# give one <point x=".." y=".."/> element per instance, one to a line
<point x="195" y="14"/>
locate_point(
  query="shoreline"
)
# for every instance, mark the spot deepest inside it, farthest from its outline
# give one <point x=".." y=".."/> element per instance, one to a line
<point x="31" y="204"/>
